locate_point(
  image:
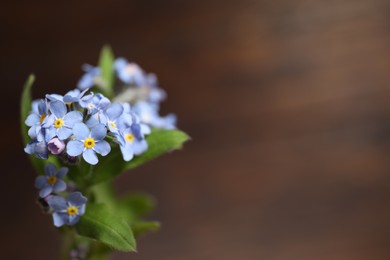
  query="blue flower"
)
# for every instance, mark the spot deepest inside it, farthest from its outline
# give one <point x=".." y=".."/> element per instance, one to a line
<point x="131" y="141"/>
<point x="129" y="73"/>
<point x="148" y="113"/>
<point x="94" y="103"/>
<point x="75" y="96"/>
<point x="52" y="181"/>
<point x="59" y="122"/>
<point x="37" y="148"/>
<point x="36" y="118"/>
<point x="90" y="78"/>
<point x="67" y="211"/>
<point x="88" y="143"/>
<point x="114" y="118"/>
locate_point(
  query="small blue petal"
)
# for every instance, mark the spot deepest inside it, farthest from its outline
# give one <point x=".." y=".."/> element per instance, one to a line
<point x="58" y="108"/>
<point x="57" y="203"/>
<point x="76" y="199"/>
<point x="50" y="169"/>
<point x="127" y="152"/>
<point x="64" y="132"/>
<point x="81" y="131"/>
<point x="114" y="111"/>
<point x="74" y="219"/>
<point x="90" y="156"/>
<point x="45" y="191"/>
<point x="72" y="118"/>
<point x="60" y="185"/>
<point x="102" y="148"/>
<point x="32" y="119"/>
<point x="62" y="172"/>
<point x="82" y="209"/>
<point x="40" y="182"/>
<point x="74" y="148"/>
<point x="98" y="132"/>
<point x="59" y="219"/>
<point x="139" y="147"/>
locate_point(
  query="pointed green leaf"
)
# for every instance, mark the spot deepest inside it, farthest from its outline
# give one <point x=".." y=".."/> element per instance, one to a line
<point x="135" y="206"/>
<point x="101" y="224"/>
<point x="142" y="227"/>
<point x="25" y="107"/>
<point x="160" y="141"/>
<point x="106" y="65"/>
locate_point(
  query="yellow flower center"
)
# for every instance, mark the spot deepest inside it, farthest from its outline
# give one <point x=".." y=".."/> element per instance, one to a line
<point x="129" y="138"/>
<point x="58" y="123"/>
<point x="43" y="116"/>
<point x="89" y="143"/>
<point x="112" y="124"/>
<point x="52" y="180"/>
<point x="72" y="210"/>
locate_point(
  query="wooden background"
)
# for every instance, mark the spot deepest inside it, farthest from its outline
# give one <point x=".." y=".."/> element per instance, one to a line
<point x="287" y="103"/>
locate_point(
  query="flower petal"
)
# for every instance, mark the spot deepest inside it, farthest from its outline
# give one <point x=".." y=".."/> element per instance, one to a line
<point x="102" y="148"/>
<point x="72" y="118"/>
<point x="127" y="152"/>
<point x="45" y="191"/>
<point x="81" y="131"/>
<point x="40" y="182"/>
<point x="74" y="148"/>
<point x="60" y="185"/>
<point x="114" y="111"/>
<point x="57" y="203"/>
<point x="59" y="219"/>
<point x="32" y="119"/>
<point x="98" y="132"/>
<point x="90" y="157"/>
<point x="64" y="133"/>
<point x="62" y="172"/>
<point x="50" y="169"/>
<point x="58" y="108"/>
<point x="76" y="199"/>
<point x="140" y="147"/>
<point x="74" y="219"/>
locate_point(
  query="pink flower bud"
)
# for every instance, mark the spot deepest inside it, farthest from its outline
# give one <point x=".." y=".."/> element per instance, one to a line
<point x="56" y="146"/>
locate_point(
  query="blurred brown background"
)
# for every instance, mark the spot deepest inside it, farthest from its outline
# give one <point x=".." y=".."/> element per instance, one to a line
<point x="287" y="103"/>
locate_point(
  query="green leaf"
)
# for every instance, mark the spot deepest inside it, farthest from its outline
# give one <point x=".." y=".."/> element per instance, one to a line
<point x="142" y="227"/>
<point x="160" y="141"/>
<point x="135" y="206"/>
<point x="25" y="107"/>
<point x="106" y="65"/>
<point x="101" y="224"/>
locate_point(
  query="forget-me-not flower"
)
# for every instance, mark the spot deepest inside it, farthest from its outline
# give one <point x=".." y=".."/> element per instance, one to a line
<point x="67" y="211"/>
<point x="37" y="148"/>
<point x="113" y="117"/>
<point x="90" y="78"/>
<point x="60" y="122"/>
<point x="131" y="142"/>
<point x="129" y="73"/>
<point x="94" y="103"/>
<point x="148" y="113"/>
<point x="88" y="143"/>
<point x="51" y="181"/>
<point x="36" y="118"/>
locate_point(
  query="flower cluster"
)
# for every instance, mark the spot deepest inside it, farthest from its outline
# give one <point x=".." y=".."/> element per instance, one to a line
<point x="138" y="88"/>
<point x="65" y="211"/>
<point x="84" y="125"/>
<point x="79" y="124"/>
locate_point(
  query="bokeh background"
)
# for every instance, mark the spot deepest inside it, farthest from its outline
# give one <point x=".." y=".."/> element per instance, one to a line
<point x="287" y="103"/>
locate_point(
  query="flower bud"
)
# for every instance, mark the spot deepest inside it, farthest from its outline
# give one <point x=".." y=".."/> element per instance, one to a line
<point x="56" y="146"/>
